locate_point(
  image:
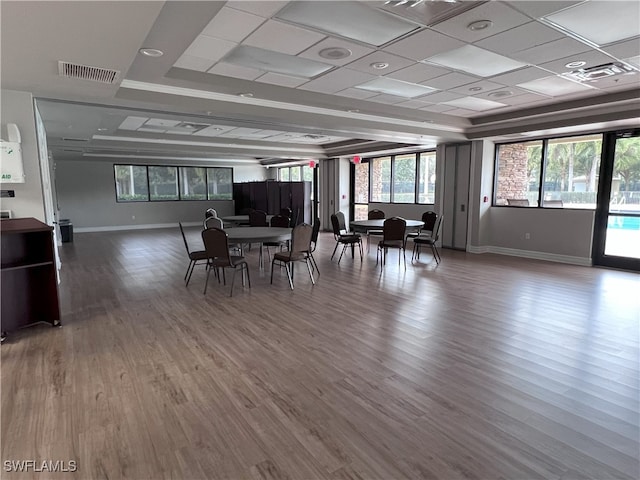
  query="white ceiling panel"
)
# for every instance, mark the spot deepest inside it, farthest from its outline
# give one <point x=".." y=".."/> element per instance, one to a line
<point x="281" y="80"/>
<point x="353" y="20"/>
<point x="553" y="86"/>
<point x="213" y="130"/>
<point x="132" y="123"/>
<point x="622" y="50"/>
<point x="538" y="8"/>
<point x="356" y="93"/>
<point x="451" y="80"/>
<point x="239" y="132"/>
<point x="233" y="25"/>
<point x="618" y="81"/>
<point x="413" y="104"/>
<point x="635" y="61"/>
<point x="525" y="99"/>
<point x="193" y="63"/>
<point x="600" y="22"/>
<point x="521" y="76"/>
<point x="337" y="80"/>
<point x="423" y="44"/>
<point x="356" y="50"/>
<point x="209" y="47"/>
<point x="418" y="73"/>
<point x="161" y="122"/>
<point x="477" y="87"/>
<point x="441" y="97"/>
<point x="502" y="17"/>
<point x="258" y="7"/>
<point x="475" y="103"/>
<point x="520" y="38"/>
<point x="502" y="94"/>
<point x="276" y="62"/>
<point x="561" y="48"/>
<point x="591" y="58"/>
<point x="236" y="71"/>
<point x="438" y="108"/>
<point x="462" y="112"/>
<point x="395" y="63"/>
<point x="395" y="87"/>
<point x="388" y="99"/>
<point x="283" y="38"/>
<point x="476" y="61"/>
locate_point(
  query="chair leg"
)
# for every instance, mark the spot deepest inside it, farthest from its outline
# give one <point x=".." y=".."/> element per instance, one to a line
<point x="436" y="255"/>
<point x="315" y="265"/>
<point x="273" y="264"/>
<point x="246" y="267"/>
<point x="206" y="280"/>
<point x="344" y="247"/>
<point x="288" y="265"/>
<point x="192" y="265"/>
<point x="360" y="247"/>
<point x="233" y="280"/>
<point x="334" y="250"/>
<point x="313" y="281"/>
<point x="187" y="272"/>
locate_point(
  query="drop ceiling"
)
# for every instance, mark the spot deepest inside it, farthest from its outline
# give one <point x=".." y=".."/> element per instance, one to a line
<point x="262" y="81"/>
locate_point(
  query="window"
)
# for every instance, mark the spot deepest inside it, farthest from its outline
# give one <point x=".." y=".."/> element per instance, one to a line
<point x="571" y="172"/>
<point x="294" y="176"/>
<point x="131" y="183"/>
<point x="380" y="180"/>
<point x="307" y="173"/>
<point x="193" y="182"/>
<point x="163" y="183"/>
<point x="569" y="167"/>
<point x="518" y="180"/>
<point x="283" y="174"/>
<point x="361" y="191"/>
<point x="220" y="183"/>
<point x="141" y="183"/>
<point x="427" y="177"/>
<point x="404" y="179"/>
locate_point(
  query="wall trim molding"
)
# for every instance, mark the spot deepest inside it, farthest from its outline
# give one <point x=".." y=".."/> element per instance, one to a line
<point x="514" y="252"/>
<point x="114" y="228"/>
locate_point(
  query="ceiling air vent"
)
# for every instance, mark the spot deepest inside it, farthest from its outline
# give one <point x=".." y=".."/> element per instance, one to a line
<point x="85" y="72"/>
<point x="593" y="74"/>
<point x="73" y="139"/>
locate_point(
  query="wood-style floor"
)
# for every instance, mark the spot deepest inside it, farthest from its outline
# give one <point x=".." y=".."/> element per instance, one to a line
<point x="485" y="367"/>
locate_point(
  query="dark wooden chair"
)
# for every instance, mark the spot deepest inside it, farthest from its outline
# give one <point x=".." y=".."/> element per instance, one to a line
<point x="300" y="251"/>
<point x="393" y="236"/>
<point x="314" y="243"/>
<point x="277" y="221"/>
<point x="216" y="245"/>
<point x="429" y="219"/>
<point x="428" y="240"/>
<point x="343" y="236"/>
<point x="194" y="257"/>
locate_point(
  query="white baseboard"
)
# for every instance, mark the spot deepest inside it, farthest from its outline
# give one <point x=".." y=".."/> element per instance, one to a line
<point x="514" y="252"/>
<point x="114" y="228"/>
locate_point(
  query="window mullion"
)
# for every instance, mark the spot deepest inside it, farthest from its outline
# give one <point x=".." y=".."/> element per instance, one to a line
<point x="543" y="169"/>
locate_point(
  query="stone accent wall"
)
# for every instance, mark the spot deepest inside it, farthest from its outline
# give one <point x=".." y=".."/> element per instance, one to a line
<point x="512" y="172"/>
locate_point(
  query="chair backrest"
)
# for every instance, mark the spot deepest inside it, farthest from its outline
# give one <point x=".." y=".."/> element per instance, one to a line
<point x="280" y="221"/>
<point x="184" y="238"/>
<point x="211" y="212"/>
<point x="341" y="222"/>
<point x="393" y="229"/>
<point x="213" y="222"/>
<point x="216" y="244"/>
<point x="301" y="238"/>
<point x="316" y="231"/>
<point x="258" y="218"/>
<point x="335" y="225"/>
<point x="429" y="218"/>
<point x="375" y="215"/>
<point x="518" y="202"/>
<point x="436" y="229"/>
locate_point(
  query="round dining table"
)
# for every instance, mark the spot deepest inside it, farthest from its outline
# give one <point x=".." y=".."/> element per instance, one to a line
<point x="240" y="219"/>
<point x="364" y="225"/>
<point x="242" y="235"/>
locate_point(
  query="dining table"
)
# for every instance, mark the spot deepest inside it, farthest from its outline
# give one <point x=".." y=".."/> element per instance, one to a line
<point x="377" y="224"/>
<point x="244" y="235"/>
<point x="240" y="219"/>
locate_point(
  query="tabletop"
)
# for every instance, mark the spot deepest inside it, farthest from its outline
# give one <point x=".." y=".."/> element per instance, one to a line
<point x="378" y="224"/>
<point x="240" y="218"/>
<point x="258" y="234"/>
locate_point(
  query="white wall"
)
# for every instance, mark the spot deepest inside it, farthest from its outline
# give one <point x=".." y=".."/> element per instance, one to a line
<point x="86" y="196"/>
<point x="17" y="107"/>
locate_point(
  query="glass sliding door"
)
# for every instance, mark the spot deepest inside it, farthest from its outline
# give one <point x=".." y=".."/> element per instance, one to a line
<point x="617" y="232"/>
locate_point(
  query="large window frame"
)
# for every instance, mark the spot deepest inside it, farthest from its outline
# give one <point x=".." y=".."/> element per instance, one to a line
<point x="541" y="195"/>
<point x="179" y="169"/>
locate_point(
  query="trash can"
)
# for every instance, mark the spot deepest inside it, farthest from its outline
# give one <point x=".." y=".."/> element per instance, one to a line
<point x="66" y="230"/>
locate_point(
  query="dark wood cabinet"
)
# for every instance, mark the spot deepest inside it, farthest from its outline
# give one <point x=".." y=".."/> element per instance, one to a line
<point x="28" y="266"/>
<point x="271" y="197"/>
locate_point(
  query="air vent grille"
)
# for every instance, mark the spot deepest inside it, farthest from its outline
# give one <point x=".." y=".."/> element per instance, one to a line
<point x="86" y="72"/>
<point x="593" y="74"/>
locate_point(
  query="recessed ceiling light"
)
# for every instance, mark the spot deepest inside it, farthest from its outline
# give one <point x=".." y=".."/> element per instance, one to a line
<point x="102" y="129"/>
<point x="151" y="52"/>
<point x="576" y="64"/>
<point x="475" y="89"/>
<point x="246" y="95"/>
<point x="379" y="65"/>
<point x="500" y="94"/>
<point x="334" y="53"/>
<point x="353" y="110"/>
<point x="479" y="25"/>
